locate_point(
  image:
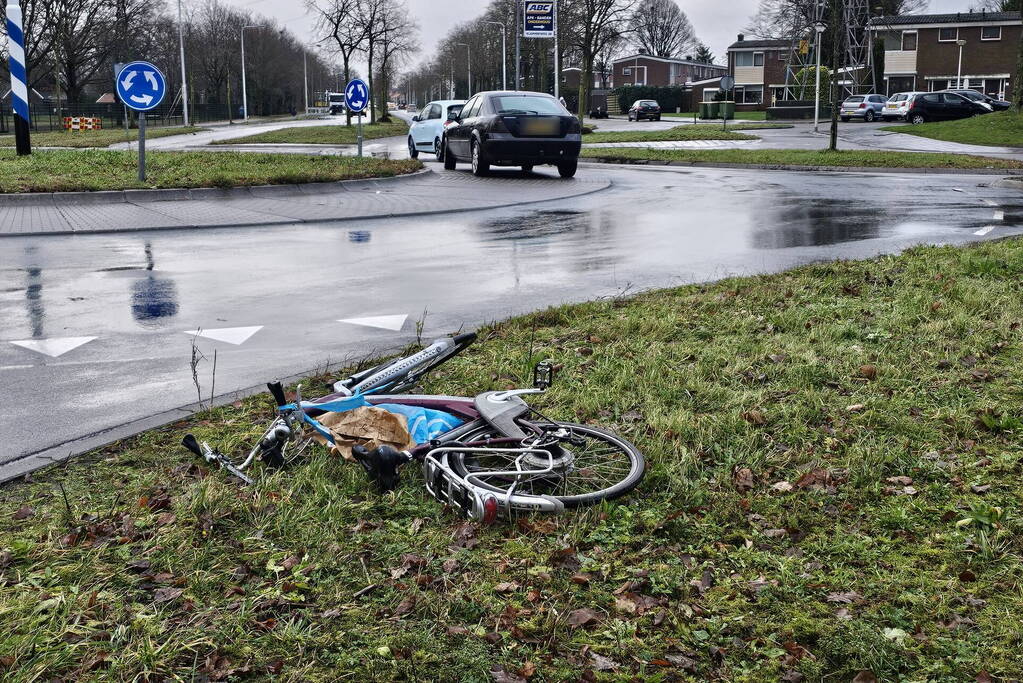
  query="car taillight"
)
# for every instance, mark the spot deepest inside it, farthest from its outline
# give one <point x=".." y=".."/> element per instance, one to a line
<point x="574" y="127"/>
<point x="863" y="106"/>
<point x="498" y="126"/>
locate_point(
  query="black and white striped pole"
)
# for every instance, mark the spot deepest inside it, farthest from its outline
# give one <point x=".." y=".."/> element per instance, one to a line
<point x="19" y="78"/>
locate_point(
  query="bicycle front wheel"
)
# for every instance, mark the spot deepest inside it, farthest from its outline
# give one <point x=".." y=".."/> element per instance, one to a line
<point x="590" y="465"/>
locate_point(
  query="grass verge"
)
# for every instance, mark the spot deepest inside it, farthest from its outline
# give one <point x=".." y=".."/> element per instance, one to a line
<point x="805" y="158"/>
<point x="97" y="138"/>
<point x="1002" y="129"/>
<point x="337" y="134"/>
<point x="835" y="488"/>
<point x="690" y="132"/>
<point x="89" y="170"/>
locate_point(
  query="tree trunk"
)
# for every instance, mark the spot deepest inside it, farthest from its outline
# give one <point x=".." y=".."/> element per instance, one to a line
<point x="369" y="82"/>
<point x="585" y="79"/>
<point x="1017" y="83"/>
<point x="837" y="26"/>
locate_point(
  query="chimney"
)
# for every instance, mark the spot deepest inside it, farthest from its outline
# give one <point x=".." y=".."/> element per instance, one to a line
<point x="741" y="37"/>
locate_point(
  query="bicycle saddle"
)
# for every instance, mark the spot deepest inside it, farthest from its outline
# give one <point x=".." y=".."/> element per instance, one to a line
<point x="381" y="465"/>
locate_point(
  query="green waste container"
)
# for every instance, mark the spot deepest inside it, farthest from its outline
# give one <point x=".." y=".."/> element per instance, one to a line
<point x="713" y="110"/>
<point x="727" y="110"/>
<point x="704" y="110"/>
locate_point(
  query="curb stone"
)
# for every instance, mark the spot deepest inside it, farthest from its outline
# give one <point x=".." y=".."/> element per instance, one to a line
<point x="790" y="167"/>
<point x="182" y="194"/>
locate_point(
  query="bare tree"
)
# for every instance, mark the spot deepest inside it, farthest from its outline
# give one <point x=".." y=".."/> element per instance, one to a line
<point x="398" y="39"/>
<point x="595" y="24"/>
<point x="779" y="19"/>
<point x="341" y="22"/>
<point x="661" y="28"/>
<point x="997" y="6"/>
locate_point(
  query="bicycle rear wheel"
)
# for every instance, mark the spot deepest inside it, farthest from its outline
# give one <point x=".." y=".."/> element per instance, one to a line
<point x="590" y="465"/>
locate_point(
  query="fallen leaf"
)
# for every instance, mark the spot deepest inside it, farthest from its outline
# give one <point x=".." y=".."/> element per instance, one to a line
<point x="501" y="676"/>
<point x="506" y="587"/>
<point x="602" y="663"/>
<point x="581" y="579"/>
<point x="855" y="408"/>
<point x="167" y="594"/>
<point x="967" y="576"/>
<point x="901" y="480"/>
<point x="847" y="598"/>
<point x="632" y="416"/>
<point x="404" y="607"/>
<point x="24" y="512"/>
<point x="743" y="479"/>
<point x="582" y="617"/>
<point x="868" y="371"/>
<point x="449" y="565"/>
<point x="984" y="488"/>
<point x="782" y="486"/>
<point x="864" y="677"/>
<point x="778" y="357"/>
<point x="776" y="533"/>
<point x="755" y="417"/>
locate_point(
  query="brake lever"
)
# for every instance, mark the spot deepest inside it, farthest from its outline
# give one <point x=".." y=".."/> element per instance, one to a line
<point x="212" y="456"/>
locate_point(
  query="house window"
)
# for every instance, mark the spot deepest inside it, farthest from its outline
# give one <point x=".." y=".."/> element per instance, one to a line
<point x="948" y="35"/>
<point x="909" y="41"/>
<point x="941" y="85"/>
<point x="749" y="58"/>
<point x="991" y="33"/>
<point x="749" y="94"/>
<point x="626" y="71"/>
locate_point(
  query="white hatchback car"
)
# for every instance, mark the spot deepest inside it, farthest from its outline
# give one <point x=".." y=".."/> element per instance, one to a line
<point x="427" y="129"/>
<point x="898" y="105"/>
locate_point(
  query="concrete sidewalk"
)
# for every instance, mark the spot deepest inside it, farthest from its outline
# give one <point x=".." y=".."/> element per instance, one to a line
<point x="420" y="194"/>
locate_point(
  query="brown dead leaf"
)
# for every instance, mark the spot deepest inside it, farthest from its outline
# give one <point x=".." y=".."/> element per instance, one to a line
<point x="782" y="486"/>
<point x="449" y="565"/>
<point x="527" y="670"/>
<point x="864" y="677"/>
<point x="602" y="663"/>
<point x="967" y="576"/>
<point x="743" y="479"/>
<point x="506" y="587"/>
<point x="855" y="408"/>
<point x="846" y="598"/>
<point x="24" y="512"/>
<point x="868" y="371"/>
<point x="582" y="617"/>
<point x="755" y="417"/>
<point x="581" y="579"/>
<point x="167" y="594"/>
<point x="405" y="606"/>
<point x="901" y="480"/>
<point x="501" y="676"/>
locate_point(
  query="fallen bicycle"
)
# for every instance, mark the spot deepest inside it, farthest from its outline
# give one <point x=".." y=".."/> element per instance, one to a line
<point x="484" y="456"/>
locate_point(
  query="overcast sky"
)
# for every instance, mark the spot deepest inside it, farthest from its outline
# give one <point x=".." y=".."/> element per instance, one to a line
<point x="716" y="21"/>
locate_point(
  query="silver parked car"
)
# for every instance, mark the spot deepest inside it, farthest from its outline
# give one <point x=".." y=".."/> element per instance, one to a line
<point x="866" y="107"/>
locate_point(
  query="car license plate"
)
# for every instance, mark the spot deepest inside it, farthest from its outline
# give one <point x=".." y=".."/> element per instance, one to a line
<point x="541" y="127"/>
<point x="848" y="111"/>
<point x="893" y="106"/>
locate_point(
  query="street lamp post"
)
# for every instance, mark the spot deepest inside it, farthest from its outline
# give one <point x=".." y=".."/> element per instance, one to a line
<point x="184" y="80"/>
<point x="468" y="64"/>
<point x="504" y="53"/>
<point x="819" y="27"/>
<point x="245" y="91"/>
<point x="959" y="76"/>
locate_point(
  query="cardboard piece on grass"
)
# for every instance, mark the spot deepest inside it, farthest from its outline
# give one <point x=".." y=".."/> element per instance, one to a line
<point x="366" y="426"/>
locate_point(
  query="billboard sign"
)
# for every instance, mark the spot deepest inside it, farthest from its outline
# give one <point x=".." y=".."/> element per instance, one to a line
<point x="538" y="19"/>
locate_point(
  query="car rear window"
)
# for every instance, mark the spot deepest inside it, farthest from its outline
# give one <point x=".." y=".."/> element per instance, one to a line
<point x="526" y="104"/>
<point x="898" y="98"/>
<point x="649" y="103"/>
<point x="854" y="99"/>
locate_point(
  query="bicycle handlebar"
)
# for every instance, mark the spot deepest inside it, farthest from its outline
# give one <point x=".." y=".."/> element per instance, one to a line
<point x="278" y="392"/>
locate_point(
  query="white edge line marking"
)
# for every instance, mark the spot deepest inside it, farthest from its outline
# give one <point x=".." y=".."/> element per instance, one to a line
<point x="989" y="202"/>
<point x="985" y="230"/>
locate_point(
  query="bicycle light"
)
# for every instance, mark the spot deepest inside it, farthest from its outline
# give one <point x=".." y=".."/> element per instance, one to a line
<point x="489" y="510"/>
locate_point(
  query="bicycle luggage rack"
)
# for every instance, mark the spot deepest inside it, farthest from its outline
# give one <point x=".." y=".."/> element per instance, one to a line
<point x="480" y="503"/>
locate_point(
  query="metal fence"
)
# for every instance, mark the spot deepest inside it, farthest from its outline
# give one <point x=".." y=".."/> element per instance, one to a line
<point x="47" y="117"/>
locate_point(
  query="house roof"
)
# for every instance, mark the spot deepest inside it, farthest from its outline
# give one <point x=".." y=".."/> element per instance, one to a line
<point x="673" y="60"/>
<point x="951" y="18"/>
<point x="759" y="43"/>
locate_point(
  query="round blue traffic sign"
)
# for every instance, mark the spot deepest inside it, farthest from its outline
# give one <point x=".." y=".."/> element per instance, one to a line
<point x="141" y="86"/>
<point x="356" y="95"/>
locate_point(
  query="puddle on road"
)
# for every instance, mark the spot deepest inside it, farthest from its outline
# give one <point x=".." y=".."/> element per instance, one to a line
<point x="536" y="224"/>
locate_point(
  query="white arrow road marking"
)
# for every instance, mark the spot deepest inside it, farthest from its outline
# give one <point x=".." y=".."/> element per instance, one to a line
<point x="231" y="335"/>
<point x="128" y="79"/>
<point x="54" y="348"/>
<point x="985" y="230"/>
<point x="999" y="215"/>
<point x="989" y="202"/>
<point x="141" y="99"/>
<point x="151" y="77"/>
<point x="384" y="322"/>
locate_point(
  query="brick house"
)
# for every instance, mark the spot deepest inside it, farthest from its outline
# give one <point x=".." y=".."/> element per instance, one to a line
<point x="758" y="67"/>
<point x="646" y="69"/>
<point x="921" y="51"/>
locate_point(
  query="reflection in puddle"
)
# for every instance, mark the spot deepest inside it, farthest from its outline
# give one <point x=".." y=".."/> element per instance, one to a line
<point x="822" y="222"/>
<point x="153" y="297"/>
<point x="535" y="225"/>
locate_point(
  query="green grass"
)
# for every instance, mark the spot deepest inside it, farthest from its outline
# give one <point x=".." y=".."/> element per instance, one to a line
<point x="800" y="157"/>
<point x="337" y="134"/>
<point x="835" y="486"/>
<point x="739" y="115"/>
<point x="690" y="132"/>
<point x="96" y="138"/>
<point x="77" y="170"/>
<point x="1002" y="129"/>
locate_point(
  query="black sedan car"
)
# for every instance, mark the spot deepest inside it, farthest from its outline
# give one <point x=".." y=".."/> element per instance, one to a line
<point x="997" y="105"/>
<point x="943" y="106"/>
<point x="645" y="109"/>
<point x="504" y="128"/>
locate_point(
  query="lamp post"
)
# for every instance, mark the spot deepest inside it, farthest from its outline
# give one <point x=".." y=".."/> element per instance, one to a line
<point x="184" y="80"/>
<point x="819" y="27"/>
<point x="504" y="53"/>
<point x="468" y="64"/>
<point x="245" y="91"/>
<point x="959" y="77"/>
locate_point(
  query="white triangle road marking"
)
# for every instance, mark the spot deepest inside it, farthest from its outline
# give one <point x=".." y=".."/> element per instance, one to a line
<point x="231" y="335"/>
<point x="55" y="347"/>
<point x="384" y="322"/>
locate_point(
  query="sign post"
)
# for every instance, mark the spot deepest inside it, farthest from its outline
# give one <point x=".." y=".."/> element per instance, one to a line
<point x="727" y="83"/>
<point x="540" y="20"/>
<point x="19" y="78"/>
<point x="142" y="87"/>
<point x="356" y="99"/>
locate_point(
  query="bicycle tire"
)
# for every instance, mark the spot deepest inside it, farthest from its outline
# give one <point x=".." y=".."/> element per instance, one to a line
<point x="636" y="471"/>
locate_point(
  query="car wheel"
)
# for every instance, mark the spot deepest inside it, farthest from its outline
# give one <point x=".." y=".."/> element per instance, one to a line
<point x="438" y="150"/>
<point x="412" y="151"/>
<point x="869" y="117"/>
<point x="567" y="169"/>
<point x="449" y="158"/>
<point x="917" y="119"/>
<point x="658" y="118"/>
<point x="480" y="167"/>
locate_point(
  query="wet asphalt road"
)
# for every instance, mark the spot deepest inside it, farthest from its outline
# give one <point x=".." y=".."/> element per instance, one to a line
<point x="132" y="297"/>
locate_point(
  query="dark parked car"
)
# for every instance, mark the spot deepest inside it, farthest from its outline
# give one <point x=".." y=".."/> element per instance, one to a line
<point x="524" y="129"/>
<point x="645" y="109"/>
<point x="943" y="106"/>
<point x="997" y="105"/>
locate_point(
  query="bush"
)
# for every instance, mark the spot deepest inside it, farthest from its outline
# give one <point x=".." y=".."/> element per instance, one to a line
<point x="669" y="97"/>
